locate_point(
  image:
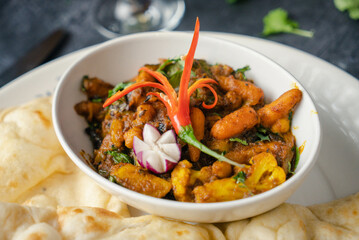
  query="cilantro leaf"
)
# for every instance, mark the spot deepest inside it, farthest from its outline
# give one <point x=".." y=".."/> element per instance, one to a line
<point x="244" y="142"/>
<point x="243" y="70"/>
<point x="240" y="177"/>
<point x="119" y="87"/>
<point x="262" y="137"/>
<point x="96" y="100"/>
<point x="352" y="6"/>
<point x="277" y="21"/>
<point x="119" y="157"/>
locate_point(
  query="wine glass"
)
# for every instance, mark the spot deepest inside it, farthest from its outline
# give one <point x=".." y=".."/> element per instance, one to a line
<point x="118" y="17"/>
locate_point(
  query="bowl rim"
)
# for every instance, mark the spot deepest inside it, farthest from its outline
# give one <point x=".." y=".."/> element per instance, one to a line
<point x="303" y="171"/>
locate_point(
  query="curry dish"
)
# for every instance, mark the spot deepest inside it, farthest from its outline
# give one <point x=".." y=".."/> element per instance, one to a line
<point x="240" y="126"/>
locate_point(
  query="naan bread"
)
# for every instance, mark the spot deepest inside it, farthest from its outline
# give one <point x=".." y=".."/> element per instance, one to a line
<point x="36" y="171"/>
<point x="330" y="221"/>
<point x="29" y="150"/>
<point x="93" y="223"/>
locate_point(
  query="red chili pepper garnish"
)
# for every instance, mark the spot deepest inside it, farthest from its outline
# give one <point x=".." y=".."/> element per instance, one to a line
<point x="178" y="108"/>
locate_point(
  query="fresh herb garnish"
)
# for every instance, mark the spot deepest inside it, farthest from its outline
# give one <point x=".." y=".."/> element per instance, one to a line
<point x="173" y="69"/>
<point x="352" y="6"/>
<point x="96" y="100"/>
<point x="112" y="179"/>
<point x="119" y="87"/>
<point x="243" y="70"/>
<point x="262" y="130"/>
<point x="297" y="155"/>
<point x="290" y="168"/>
<point x="277" y="21"/>
<point x="262" y="137"/>
<point x="290" y="116"/>
<point x="296" y="161"/>
<point x="244" y="142"/>
<point x="119" y="157"/>
<point x="240" y="177"/>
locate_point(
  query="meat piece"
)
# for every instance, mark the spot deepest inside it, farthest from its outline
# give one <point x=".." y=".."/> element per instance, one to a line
<point x="90" y="110"/>
<point x="250" y="93"/>
<point x="275" y="115"/>
<point x="235" y="123"/>
<point x="96" y="88"/>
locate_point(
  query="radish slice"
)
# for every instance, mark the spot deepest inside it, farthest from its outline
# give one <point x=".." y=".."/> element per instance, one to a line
<point x="158" y="153"/>
<point x="150" y="134"/>
<point x="168" y="137"/>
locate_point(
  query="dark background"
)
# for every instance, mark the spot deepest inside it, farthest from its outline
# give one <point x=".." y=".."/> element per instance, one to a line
<point x="24" y="23"/>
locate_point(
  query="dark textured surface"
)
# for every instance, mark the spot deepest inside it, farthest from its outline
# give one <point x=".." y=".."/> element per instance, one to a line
<point x="25" y="22"/>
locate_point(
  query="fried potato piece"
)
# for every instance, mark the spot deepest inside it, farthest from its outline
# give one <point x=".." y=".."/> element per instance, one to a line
<point x="250" y="93"/>
<point x="145" y="113"/>
<point x="116" y="132"/>
<point x="140" y="180"/>
<point x="264" y="173"/>
<point x="220" y="190"/>
<point x="221" y="169"/>
<point x="275" y="115"/>
<point x="181" y="184"/>
<point x="235" y="123"/>
<point x="198" y="123"/>
<point x="183" y="180"/>
<point x="130" y="134"/>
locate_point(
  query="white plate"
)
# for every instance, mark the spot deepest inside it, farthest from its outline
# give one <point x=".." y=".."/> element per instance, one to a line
<point x="335" y="92"/>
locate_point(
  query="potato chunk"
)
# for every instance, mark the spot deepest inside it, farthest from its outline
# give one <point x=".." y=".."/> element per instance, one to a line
<point x="250" y="93"/>
<point x="184" y="179"/>
<point x="219" y="191"/>
<point x="181" y="181"/>
<point x="140" y="180"/>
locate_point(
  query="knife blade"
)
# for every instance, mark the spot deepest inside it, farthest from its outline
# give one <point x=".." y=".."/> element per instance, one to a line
<point x="34" y="57"/>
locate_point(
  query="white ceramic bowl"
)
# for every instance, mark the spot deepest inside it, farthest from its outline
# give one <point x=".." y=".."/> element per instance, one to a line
<point x="119" y="60"/>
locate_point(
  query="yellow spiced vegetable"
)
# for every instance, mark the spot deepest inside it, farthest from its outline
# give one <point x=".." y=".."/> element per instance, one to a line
<point x="264" y="173"/>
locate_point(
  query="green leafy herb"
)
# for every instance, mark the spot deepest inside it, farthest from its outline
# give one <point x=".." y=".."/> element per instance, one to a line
<point x="297" y="155"/>
<point x="172" y="69"/>
<point x="262" y="130"/>
<point x="232" y="1"/>
<point x="244" y="142"/>
<point x="243" y="70"/>
<point x="119" y="87"/>
<point x="277" y="21"/>
<point x="119" y="157"/>
<point x="352" y="6"/>
<point x="112" y="179"/>
<point x="240" y="177"/>
<point x="262" y="137"/>
<point x="96" y="100"/>
<point x="290" y="116"/>
<point x="290" y="168"/>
